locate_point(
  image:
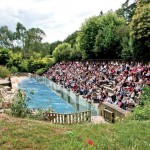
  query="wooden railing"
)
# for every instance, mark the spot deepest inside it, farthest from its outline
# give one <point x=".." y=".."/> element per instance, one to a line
<point x="74" y="118"/>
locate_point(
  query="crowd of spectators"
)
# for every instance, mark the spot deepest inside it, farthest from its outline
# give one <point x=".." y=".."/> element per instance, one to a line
<point x="120" y="83"/>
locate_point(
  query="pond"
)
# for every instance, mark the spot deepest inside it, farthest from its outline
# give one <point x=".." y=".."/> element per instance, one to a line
<point x="43" y="97"/>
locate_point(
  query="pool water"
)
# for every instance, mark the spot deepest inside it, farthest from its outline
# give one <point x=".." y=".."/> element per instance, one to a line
<point x="40" y="96"/>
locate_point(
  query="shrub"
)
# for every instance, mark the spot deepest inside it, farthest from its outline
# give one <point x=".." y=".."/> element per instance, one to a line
<point x="4" y="72"/>
<point x="40" y="71"/>
<point x="142" y="112"/>
<point x="19" y="107"/>
<point x="14" y="69"/>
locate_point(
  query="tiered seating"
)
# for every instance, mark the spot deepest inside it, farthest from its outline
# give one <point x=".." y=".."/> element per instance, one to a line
<point x="114" y="82"/>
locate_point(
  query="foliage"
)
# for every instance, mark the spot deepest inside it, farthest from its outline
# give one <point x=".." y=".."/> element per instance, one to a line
<point x="105" y="36"/>
<point x="5" y="55"/>
<point x="62" y="52"/>
<point x="23" y="66"/>
<point x="13" y="69"/>
<point x="40" y="71"/>
<point x="71" y="39"/>
<point x="145" y="99"/>
<point x="142" y="112"/>
<point x="109" y="37"/>
<point x="19" y="106"/>
<point x="75" y="54"/>
<point x="101" y="36"/>
<point x="6" y="37"/>
<point x="140" y="31"/>
<point x="34" y="65"/>
<point x="15" y="60"/>
<point x="126" y="52"/>
<point x="45" y="49"/>
<point x="87" y="36"/>
<point x="4" y="72"/>
<point x="127" y="10"/>
<point x="34" y="38"/>
<point x="20" y="35"/>
<point x="53" y="46"/>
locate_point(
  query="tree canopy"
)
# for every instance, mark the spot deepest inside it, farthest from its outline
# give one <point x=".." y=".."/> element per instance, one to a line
<point x="124" y="33"/>
<point x="140" y="30"/>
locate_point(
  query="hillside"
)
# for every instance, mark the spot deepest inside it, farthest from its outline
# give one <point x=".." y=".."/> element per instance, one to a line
<point x="26" y="134"/>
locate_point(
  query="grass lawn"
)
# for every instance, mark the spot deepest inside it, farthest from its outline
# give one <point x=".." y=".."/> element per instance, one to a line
<point x="18" y="134"/>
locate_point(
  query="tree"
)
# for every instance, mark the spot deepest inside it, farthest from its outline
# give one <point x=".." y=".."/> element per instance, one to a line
<point x="71" y="39"/>
<point x="20" y="35"/>
<point x="140" y="31"/>
<point x="53" y="46"/>
<point x="5" y="55"/>
<point x="109" y="38"/>
<point x="87" y="36"/>
<point x="15" y="60"/>
<point x="45" y="49"/>
<point x="6" y="37"/>
<point x="34" y="39"/>
<point x="62" y="52"/>
<point x="127" y="10"/>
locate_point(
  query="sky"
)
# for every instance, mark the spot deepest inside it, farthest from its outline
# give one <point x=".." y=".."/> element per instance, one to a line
<point x="57" y="18"/>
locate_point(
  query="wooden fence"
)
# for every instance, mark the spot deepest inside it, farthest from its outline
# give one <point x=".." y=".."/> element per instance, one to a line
<point x="74" y="118"/>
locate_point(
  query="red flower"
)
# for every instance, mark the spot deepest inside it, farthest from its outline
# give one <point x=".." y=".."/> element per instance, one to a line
<point x="90" y="142"/>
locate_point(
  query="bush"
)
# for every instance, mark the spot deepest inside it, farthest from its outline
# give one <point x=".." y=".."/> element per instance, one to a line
<point x="4" y="72"/>
<point x="40" y="71"/>
<point x="142" y="112"/>
<point x="19" y="107"/>
<point x="14" y="69"/>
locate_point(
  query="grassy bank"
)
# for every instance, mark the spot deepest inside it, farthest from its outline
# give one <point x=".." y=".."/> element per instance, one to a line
<point x="28" y="134"/>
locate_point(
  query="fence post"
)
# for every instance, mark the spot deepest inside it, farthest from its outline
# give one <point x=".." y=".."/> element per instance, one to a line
<point x="89" y="105"/>
<point x="77" y="102"/>
<point x="68" y="96"/>
<point x="62" y="94"/>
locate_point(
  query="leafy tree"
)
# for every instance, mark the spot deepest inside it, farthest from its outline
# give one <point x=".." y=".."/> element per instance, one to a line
<point x="6" y="37"/>
<point x="34" y="39"/>
<point x="53" y="46"/>
<point x="71" y="39"/>
<point x="127" y="48"/>
<point x="109" y="38"/>
<point x="127" y="10"/>
<point x="75" y="54"/>
<point x="23" y="66"/>
<point x="13" y="69"/>
<point x="5" y="55"/>
<point x="15" y="60"/>
<point x="34" y="65"/>
<point x="62" y="52"/>
<point x="45" y="48"/>
<point x="20" y="35"/>
<point x="87" y="36"/>
<point x="140" y="31"/>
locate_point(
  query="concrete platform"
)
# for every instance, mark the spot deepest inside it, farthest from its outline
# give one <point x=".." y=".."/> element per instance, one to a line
<point x="97" y="120"/>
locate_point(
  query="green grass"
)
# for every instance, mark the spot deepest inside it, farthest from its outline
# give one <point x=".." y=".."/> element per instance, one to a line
<point x="18" y="134"/>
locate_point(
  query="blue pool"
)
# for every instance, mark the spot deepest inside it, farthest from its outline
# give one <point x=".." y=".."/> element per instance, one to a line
<point x="42" y="97"/>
